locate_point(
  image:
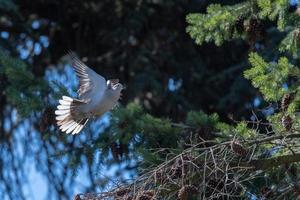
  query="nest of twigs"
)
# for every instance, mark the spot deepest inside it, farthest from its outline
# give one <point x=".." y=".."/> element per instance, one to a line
<point x="199" y="172"/>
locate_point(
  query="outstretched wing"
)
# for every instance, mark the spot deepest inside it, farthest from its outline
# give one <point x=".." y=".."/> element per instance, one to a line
<point x="91" y="84"/>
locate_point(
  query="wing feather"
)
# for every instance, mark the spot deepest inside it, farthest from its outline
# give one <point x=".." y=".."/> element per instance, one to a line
<point x="91" y="84"/>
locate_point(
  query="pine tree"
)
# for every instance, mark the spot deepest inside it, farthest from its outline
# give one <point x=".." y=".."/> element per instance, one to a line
<point x="216" y="160"/>
<point x="166" y="132"/>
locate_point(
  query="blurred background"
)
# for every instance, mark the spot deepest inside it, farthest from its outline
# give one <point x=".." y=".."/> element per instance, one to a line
<point x="143" y="43"/>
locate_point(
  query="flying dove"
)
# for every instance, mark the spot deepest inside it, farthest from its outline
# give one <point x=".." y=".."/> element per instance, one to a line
<point x="96" y="96"/>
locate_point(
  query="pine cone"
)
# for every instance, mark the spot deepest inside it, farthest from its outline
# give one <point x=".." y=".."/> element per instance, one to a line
<point x="123" y="149"/>
<point x="180" y="166"/>
<point x="297" y="34"/>
<point x="187" y="190"/>
<point x="182" y="194"/>
<point x="176" y="171"/>
<point x="287" y="122"/>
<point x="47" y="119"/>
<point x="118" y="150"/>
<point x="159" y="177"/>
<point x="150" y="192"/>
<point x="253" y="24"/>
<point x="298" y="11"/>
<point x="286" y="100"/>
<point x="114" y="147"/>
<point x="239" y="24"/>
<point x="238" y="149"/>
<point x="146" y="195"/>
<point x="122" y="191"/>
<point x="77" y="197"/>
<point x="126" y="197"/>
<point x="255" y="29"/>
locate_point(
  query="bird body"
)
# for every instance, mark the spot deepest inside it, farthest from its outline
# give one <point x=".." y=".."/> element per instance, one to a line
<point x="96" y="96"/>
<point x="108" y="101"/>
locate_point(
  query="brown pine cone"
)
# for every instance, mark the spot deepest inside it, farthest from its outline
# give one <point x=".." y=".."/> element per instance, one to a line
<point x="77" y="197"/>
<point x="122" y="191"/>
<point x="182" y="194"/>
<point x="239" y="24"/>
<point x="114" y="147"/>
<point x="238" y="149"/>
<point x="47" y="119"/>
<point x="297" y="34"/>
<point x="176" y="171"/>
<point x="287" y="122"/>
<point x="180" y="166"/>
<point x="187" y="190"/>
<point x="298" y="11"/>
<point x="286" y="100"/>
<point x="255" y="30"/>
<point x="146" y="195"/>
<point x="159" y="176"/>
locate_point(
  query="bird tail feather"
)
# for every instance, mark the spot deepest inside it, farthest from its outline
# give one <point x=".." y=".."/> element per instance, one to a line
<point x="66" y="116"/>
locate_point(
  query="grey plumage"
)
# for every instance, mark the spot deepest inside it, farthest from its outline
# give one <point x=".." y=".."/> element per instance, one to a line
<point x="96" y="96"/>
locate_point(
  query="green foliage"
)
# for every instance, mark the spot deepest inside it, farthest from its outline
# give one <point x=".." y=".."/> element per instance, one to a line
<point x="294" y="104"/>
<point x="133" y="132"/>
<point x="274" y="10"/>
<point x="135" y="123"/>
<point x="196" y="119"/>
<point x="269" y="77"/>
<point x="201" y="119"/>
<point x="266" y="7"/>
<point x="216" y="25"/>
<point x="291" y="43"/>
<point x="124" y="120"/>
<point x="242" y="130"/>
<point x="23" y="90"/>
<point x="224" y="23"/>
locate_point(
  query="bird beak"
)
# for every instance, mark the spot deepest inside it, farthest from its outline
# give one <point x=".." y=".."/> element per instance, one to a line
<point x="124" y="87"/>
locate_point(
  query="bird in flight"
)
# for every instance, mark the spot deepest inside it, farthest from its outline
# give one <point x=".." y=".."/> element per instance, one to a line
<point x="96" y="96"/>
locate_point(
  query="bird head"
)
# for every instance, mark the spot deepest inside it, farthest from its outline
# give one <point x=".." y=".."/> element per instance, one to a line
<point x="118" y="87"/>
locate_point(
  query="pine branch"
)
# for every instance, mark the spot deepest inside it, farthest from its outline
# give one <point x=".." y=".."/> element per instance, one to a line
<point x="267" y="163"/>
<point x="276" y="137"/>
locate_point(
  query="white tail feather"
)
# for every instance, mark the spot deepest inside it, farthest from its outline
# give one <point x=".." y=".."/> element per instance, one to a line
<point x="72" y="127"/>
<point x="80" y="127"/>
<point x="61" y="112"/>
<point x="65" y="120"/>
<point x="62" y="117"/>
<point x="63" y="102"/>
<point x="63" y="107"/>
<point x="77" y="129"/>
<point x="66" y="125"/>
<point x="69" y="126"/>
<point x="67" y="98"/>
